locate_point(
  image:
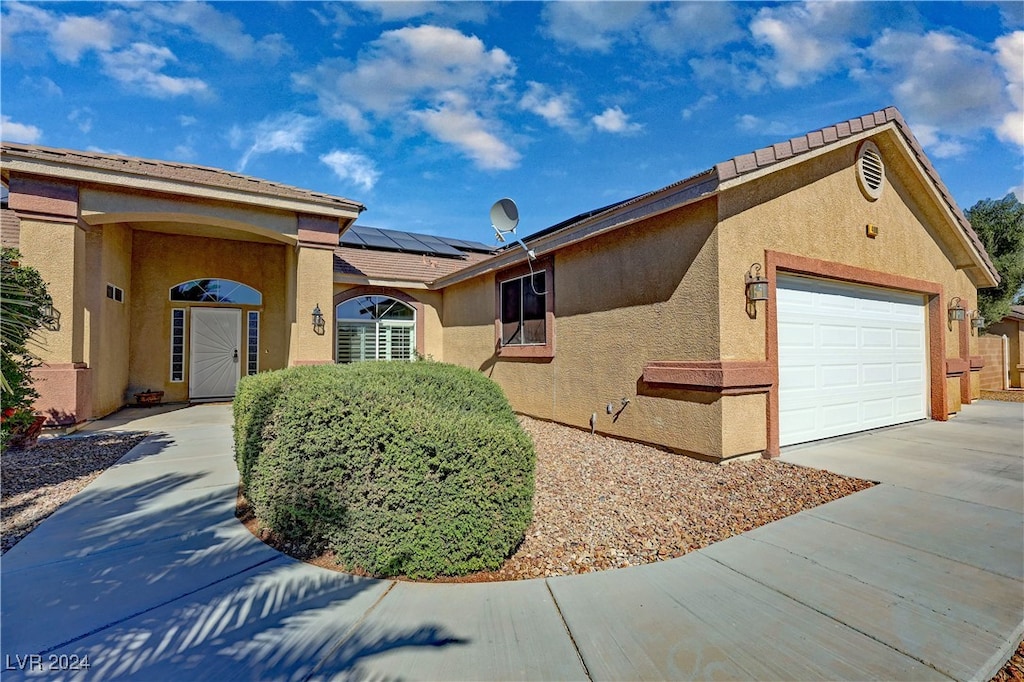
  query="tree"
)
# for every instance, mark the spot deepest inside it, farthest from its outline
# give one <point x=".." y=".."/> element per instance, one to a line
<point x="1000" y="224"/>
<point x="22" y="295"/>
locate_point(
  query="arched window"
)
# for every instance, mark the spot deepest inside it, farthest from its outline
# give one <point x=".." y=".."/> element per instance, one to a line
<point x="375" y="328"/>
<point x="216" y="291"/>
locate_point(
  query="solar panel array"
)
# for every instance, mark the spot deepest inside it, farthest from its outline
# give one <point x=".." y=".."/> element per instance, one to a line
<point x="409" y="242"/>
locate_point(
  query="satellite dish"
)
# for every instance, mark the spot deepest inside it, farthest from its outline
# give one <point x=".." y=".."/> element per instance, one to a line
<point x="504" y="215"/>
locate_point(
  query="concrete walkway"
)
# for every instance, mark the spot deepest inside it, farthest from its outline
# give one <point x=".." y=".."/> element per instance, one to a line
<point x="148" y="574"/>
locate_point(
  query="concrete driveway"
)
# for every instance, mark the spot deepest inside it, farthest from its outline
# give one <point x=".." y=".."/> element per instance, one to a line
<point x="148" y="575"/>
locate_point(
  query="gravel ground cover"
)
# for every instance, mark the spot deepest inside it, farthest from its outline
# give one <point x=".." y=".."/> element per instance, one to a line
<point x="35" y="482"/>
<point x="1014" y="396"/>
<point x="603" y="503"/>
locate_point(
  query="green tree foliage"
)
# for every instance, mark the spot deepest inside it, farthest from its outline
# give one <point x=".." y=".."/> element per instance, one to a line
<point x="418" y="469"/>
<point x="22" y="293"/>
<point x="1000" y="224"/>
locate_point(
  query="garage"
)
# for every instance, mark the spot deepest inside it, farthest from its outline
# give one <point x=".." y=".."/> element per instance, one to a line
<point x="851" y="358"/>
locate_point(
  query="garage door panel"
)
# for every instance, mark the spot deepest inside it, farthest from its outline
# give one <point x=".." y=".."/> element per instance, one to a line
<point x="850" y="358"/>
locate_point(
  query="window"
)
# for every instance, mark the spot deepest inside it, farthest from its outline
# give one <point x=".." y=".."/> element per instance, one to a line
<point x="115" y="293"/>
<point x="375" y="328"/>
<point x="178" y="344"/>
<point x="525" y="310"/>
<point x="216" y="291"/>
<point x="252" y="365"/>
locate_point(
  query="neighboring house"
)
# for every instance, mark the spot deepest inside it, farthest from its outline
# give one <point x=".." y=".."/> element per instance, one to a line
<point x="1012" y="327"/>
<point x="637" y="320"/>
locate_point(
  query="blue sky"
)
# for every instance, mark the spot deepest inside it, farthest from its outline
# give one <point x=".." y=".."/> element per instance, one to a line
<point x="428" y="112"/>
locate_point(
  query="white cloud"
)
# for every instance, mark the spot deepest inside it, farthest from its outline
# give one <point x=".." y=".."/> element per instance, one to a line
<point x="594" y="26"/>
<point x="452" y="122"/>
<point x="352" y="167"/>
<point x="704" y="102"/>
<point x="940" y="80"/>
<point x="286" y="132"/>
<point x="213" y="27"/>
<point x="19" y="132"/>
<point x="438" y="78"/>
<point x="937" y="144"/>
<point x="748" y="123"/>
<point x="556" y="109"/>
<point x="614" y="120"/>
<point x="807" y="40"/>
<point x="1010" y="56"/>
<point x="74" y="35"/>
<point x="689" y="27"/>
<point x="82" y="118"/>
<point x="139" y="67"/>
<point x="738" y="72"/>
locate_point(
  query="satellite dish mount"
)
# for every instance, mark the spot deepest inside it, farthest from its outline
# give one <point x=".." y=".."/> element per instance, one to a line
<point x="504" y="220"/>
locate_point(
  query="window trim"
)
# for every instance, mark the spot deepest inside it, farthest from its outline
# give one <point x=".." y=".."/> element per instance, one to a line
<point x="115" y="293"/>
<point x="390" y="292"/>
<point x="544" y="350"/>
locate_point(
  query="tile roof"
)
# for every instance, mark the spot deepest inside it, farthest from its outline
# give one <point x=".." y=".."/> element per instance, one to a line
<point x="378" y="264"/>
<point x="170" y="170"/>
<point x="1017" y="312"/>
<point x="10" y="228"/>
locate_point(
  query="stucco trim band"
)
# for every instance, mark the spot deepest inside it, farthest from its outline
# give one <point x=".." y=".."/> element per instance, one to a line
<point x="800" y="265"/>
<point x="957" y="367"/>
<point x="356" y="292"/>
<point x="977" y="362"/>
<point x="726" y="377"/>
<point x="33" y="197"/>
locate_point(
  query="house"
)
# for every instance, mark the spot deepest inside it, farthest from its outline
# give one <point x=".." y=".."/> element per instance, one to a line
<point x="817" y="287"/>
<point x="1003" y="348"/>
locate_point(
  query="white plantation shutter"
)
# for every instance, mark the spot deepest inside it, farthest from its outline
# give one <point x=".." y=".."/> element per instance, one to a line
<point x="394" y="341"/>
<point x="375" y="328"/>
<point x="356" y="341"/>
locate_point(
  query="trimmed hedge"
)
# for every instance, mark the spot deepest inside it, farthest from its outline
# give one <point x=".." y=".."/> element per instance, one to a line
<point x="417" y="469"/>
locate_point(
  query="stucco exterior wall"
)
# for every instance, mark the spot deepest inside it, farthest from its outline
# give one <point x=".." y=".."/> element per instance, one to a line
<point x="623" y="299"/>
<point x="816" y="210"/>
<point x="160" y="261"/>
<point x="109" y="259"/>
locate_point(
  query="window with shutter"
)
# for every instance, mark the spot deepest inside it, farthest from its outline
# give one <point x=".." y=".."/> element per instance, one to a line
<point x="375" y="328"/>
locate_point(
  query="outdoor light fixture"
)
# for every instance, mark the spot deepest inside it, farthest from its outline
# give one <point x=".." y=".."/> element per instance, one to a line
<point x="957" y="313"/>
<point x="757" y="289"/>
<point x="318" y="320"/>
<point x="48" y="315"/>
<point x="977" y="321"/>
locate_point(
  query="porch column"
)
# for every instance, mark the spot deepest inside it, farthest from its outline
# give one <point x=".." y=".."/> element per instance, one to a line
<point x="314" y="287"/>
<point x="53" y="241"/>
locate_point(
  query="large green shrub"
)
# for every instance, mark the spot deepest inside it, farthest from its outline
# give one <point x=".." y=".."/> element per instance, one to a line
<point x="417" y="469"/>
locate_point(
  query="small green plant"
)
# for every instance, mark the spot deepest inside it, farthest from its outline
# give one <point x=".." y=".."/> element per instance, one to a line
<point x="22" y="294"/>
<point x="417" y="469"/>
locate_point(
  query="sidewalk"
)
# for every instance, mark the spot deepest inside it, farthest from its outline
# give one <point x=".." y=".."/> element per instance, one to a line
<point x="149" y="575"/>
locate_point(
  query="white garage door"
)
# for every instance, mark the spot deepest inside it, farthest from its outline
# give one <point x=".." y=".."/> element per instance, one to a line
<point x="850" y="358"/>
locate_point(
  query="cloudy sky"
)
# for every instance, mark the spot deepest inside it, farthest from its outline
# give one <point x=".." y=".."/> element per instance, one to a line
<point x="428" y="112"/>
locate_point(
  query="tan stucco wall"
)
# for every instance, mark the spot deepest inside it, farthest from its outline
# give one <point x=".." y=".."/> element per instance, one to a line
<point x="815" y="209"/>
<point x="160" y="261"/>
<point x="621" y="300"/>
<point x="313" y="286"/>
<point x="109" y="259"/>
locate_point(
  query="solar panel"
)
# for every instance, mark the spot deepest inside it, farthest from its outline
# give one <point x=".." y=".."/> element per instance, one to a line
<point x="409" y="242"/>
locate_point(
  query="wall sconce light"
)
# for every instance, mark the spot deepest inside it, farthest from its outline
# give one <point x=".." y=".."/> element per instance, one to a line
<point x="48" y="315"/>
<point x="957" y="313"/>
<point x="318" y="320"/>
<point x="977" y="321"/>
<point x="757" y="289"/>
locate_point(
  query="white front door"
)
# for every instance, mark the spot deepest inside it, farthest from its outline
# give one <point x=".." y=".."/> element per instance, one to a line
<point x="851" y="358"/>
<point x="214" y="360"/>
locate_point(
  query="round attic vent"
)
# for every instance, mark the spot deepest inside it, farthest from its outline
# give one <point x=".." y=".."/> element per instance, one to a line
<point x="870" y="170"/>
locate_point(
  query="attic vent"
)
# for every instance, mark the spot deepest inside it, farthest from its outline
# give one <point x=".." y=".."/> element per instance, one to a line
<point x="870" y="171"/>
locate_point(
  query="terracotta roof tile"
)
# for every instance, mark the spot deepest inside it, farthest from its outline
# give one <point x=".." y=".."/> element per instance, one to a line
<point x="392" y="265"/>
<point x="829" y="134"/>
<point x="856" y="125"/>
<point x="745" y="163"/>
<point x="783" y="150"/>
<point x="765" y="156"/>
<point x="843" y="129"/>
<point x="815" y="139"/>
<point x="168" y="170"/>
